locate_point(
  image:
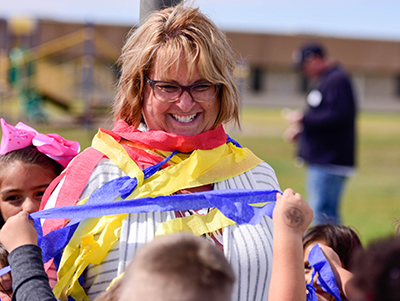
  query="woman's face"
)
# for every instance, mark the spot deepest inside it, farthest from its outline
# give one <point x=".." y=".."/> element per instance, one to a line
<point x="184" y="117"/>
<point x="22" y="187"/>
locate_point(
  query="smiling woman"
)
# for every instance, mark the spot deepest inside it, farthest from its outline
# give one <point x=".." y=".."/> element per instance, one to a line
<point x="176" y="91"/>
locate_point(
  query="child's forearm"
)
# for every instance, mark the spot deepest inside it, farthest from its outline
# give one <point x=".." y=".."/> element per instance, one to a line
<point x="343" y="278"/>
<point x="287" y="281"/>
<point x="291" y="217"/>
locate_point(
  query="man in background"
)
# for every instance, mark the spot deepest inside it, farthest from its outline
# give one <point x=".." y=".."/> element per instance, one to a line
<point x="325" y="131"/>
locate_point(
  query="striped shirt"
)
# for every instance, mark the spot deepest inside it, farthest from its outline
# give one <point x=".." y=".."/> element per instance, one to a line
<point x="247" y="247"/>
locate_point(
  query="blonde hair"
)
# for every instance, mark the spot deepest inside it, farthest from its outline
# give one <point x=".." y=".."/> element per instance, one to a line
<point x="178" y="30"/>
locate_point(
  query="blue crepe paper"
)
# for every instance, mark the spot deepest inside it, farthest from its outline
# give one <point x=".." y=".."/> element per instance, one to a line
<point x="233" y="203"/>
<point x="4" y="271"/>
<point x="326" y="278"/>
<point x="312" y="293"/>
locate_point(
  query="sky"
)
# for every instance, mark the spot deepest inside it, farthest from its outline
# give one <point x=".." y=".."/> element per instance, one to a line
<point x="364" y="19"/>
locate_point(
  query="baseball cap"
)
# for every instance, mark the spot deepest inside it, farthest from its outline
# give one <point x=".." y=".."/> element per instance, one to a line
<point x="303" y="53"/>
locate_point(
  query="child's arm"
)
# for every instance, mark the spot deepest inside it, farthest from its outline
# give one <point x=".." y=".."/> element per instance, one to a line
<point x="342" y="276"/>
<point x="30" y="282"/>
<point x="291" y="217"/>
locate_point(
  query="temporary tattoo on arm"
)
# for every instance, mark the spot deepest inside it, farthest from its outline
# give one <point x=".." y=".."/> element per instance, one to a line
<point x="294" y="217"/>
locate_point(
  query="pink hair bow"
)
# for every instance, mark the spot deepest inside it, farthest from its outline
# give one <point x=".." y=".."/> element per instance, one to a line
<point x="52" y="145"/>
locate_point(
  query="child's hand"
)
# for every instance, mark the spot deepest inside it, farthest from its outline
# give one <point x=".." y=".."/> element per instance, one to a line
<point x="18" y="231"/>
<point x="342" y="276"/>
<point x="291" y="213"/>
<point x="331" y="255"/>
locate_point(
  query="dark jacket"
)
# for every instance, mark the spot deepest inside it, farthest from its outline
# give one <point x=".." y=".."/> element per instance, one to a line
<point x="328" y="135"/>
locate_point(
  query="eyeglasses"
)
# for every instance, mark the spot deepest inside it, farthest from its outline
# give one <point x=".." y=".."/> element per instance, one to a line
<point x="170" y="92"/>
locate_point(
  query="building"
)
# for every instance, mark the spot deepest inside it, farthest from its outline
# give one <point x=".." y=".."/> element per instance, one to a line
<point x="73" y="66"/>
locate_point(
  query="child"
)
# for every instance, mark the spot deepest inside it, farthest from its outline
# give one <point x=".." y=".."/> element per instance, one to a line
<point x="342" y="242"/>
<point x="29" y="161"/>
<point x="377" y="271"/>
<point x="178" y="267"/>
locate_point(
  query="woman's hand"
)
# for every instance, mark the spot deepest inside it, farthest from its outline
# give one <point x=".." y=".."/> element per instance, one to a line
<point x="18" y="231"/>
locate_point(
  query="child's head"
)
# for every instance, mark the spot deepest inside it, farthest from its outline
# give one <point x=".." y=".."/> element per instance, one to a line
<point x="5" y="280"/>
<point x="27" y="166"/>
<point x="342" y="239"/>
<point x="377" y="270"/>
<point x="178" y="267"/>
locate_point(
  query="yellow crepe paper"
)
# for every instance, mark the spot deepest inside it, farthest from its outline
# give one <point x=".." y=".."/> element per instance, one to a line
<point x="196" y="224"/>
<point x="95" y="237"/>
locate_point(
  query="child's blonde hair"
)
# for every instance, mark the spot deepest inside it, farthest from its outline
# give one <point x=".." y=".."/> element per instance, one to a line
<point x="178" y="267"/>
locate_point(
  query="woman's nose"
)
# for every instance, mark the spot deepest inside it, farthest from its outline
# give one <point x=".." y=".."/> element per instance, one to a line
<point x="185" y="102"/>
<point x="30" y="205"/>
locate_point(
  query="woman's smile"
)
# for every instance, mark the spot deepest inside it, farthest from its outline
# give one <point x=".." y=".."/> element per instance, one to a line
<point x="184" y="118"/>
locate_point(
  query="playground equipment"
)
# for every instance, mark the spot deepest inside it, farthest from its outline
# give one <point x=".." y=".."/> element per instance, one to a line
<point x="71" y="75"/>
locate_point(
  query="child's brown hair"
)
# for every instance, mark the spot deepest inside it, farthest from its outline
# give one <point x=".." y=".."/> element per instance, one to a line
<point x="377" y="270"/>
<point x="342" y="239"/>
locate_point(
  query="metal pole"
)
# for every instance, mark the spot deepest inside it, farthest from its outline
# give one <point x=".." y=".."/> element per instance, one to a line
<point x="3" y="63"/>
<point x="87" y="74"/>
<point x="149" y="6"/>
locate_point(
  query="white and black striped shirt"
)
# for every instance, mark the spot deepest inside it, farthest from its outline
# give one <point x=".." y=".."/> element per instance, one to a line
<point x="247" y="247"/>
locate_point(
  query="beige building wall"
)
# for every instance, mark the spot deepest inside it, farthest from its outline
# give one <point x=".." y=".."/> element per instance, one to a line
<point x="373" y="64"/>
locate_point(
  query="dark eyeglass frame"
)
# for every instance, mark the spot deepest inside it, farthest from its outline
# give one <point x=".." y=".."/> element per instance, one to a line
<point x="152" y="84"/>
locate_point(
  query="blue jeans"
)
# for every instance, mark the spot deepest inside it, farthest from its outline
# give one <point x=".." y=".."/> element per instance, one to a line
<point x="324" y="190"/>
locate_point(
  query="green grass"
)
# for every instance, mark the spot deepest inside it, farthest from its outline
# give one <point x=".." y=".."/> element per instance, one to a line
<point x="371" y="202"/>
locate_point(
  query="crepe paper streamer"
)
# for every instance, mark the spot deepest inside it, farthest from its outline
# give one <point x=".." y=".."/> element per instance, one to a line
<point x="131" y="184"/>
<point x="161" y="140"/>
<point x="199" y="168"/>
<point x="311" y="292"/>
<point x="233" y="203"/>
<point x="5" y="270"/>
<point x="326" y="278"/>
<point x="52" y="145"/>
<point x="84" y="249"/>
<point x="54" y="242"/>
<point x="212" y="162"/>
<point x="116" y="153"/>
<point x="234" y="142"/>
<point x="195" y="224"/>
